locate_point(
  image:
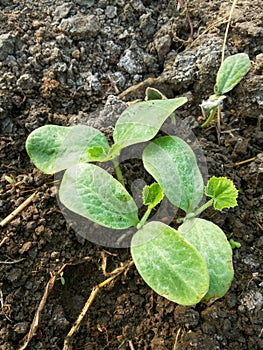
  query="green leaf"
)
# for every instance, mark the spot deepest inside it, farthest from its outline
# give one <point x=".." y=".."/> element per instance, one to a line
<point x="96" y="153"/>
<point x="154" y="94"/>
<point x="141" y="121"/>
<point x="222" y="191"/>
<point x="152" y="195"/>
<point x="232" y="70"/>
<point x="90" y="191"/>
<point x="53" y="148"/>
<point x="170" y="265"/>
<point x="172" y="163"/>
<point x="215" y="249"/>
<point x="234" y="244"/>
<point x="10" y="180"/>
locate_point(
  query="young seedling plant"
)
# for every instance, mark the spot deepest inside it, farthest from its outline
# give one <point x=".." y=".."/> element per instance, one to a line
<point x="230" y="73"/>
<point x="187" y="265"/>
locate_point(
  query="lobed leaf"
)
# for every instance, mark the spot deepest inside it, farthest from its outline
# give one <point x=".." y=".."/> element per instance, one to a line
<point x="96" y="153"/>
<point x="172" y="163"/>
<point x="152" y="195"/>
<point x="232" y="70"/>
<point x="141" y="121"/>
<point x="222" y="191"/>
<point x="215" y="249"/>
<point x="53" y="148"/>
<point x="90" y="191"/>
<point x="170" y="265"/>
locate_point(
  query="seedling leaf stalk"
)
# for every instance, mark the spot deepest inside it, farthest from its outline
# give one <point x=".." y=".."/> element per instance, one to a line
<point x="187" y="265"/>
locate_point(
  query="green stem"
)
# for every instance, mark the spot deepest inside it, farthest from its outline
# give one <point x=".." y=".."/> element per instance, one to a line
<point x="173" y="119"/>
<point x="144" y="218"/>
<point x="200" y="210"/>
<point x="210" y="118"/>
<point x="117" y="168"/>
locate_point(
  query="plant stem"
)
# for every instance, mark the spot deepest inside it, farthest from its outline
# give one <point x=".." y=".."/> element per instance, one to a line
<point x="144" y="218"/>
<point x="200" y="210"/>
<point x="210" y="118"/>
<point x="117" y="169"/>
<point x="173" y="119"/>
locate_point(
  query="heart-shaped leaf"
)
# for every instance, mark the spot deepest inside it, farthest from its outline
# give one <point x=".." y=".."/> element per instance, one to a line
<point x="53" y="148"/>
<point x="232" y="70"/>
<point x="215" y="249"/>
<point x="173" y="165"/>
<point x="90" y="191"/>
<point x="170" y="265"/>
<point x="141" y="121"/>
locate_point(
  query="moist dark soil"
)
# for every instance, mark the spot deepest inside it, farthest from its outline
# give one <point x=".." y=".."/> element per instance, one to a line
<point x="62" y="62"/>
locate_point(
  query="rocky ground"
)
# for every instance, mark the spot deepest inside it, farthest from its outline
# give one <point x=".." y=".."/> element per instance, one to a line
<point x="61" y="62"/>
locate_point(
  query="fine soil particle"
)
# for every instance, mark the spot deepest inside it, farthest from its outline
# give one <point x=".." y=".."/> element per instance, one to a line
<point x="66" y="62"/>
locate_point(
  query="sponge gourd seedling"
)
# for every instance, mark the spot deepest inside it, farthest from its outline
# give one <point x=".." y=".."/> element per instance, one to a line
<point x="230" y="73"/>
<point x="187" y="265"/>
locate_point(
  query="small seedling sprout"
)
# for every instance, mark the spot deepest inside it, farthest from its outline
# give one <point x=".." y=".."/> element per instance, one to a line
<point x="61" y="278"/>
<point x="12" y="181"/>
<point x="230" y="73"/>
<point x="234" y="244"/>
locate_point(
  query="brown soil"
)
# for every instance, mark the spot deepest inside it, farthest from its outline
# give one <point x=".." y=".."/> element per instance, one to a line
<point x="126" y="314"/>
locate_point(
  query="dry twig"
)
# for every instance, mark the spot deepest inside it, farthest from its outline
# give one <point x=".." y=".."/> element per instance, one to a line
<point x="3" y="241"/>
<point x="7" y="262"/>
<point x="227" y="29"/>
<point x="244" y="161"/>
<point x="3" y="305"/>
<point x="176" y="338"/>
<point x="131" y="345"/>
<point x="36" y="320"/>
<point x="191" y="34"/>
<point x="18" y="210"/>
<point x="94" y="292"/>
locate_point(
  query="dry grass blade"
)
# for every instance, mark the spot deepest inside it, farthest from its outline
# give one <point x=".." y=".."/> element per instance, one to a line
<point x="227" y="29"/>
<point x="95" y="290"/>
<point x="131" y="345"/>
<point x="18" y="210"/>
<point x="244" y="161"/>
<point x="35" y="322"/>
<point x="176" y="338"/>
<point x="7" y="262"/>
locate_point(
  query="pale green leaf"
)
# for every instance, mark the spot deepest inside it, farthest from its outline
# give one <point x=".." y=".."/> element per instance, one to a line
<point x="215" y="249"/>
<point x="170" y="265"/>
<point x="222" y="191"/>
<point x="152" y="195"/>
<point x="113" y="152"/>
<point x="10" y="180"/>
<point x="172" y="163"/>
<point x="90" y="191"/>
<point x="232" y="70"/>
<point x="53" y="148"/>
<point x="141" y="121"/>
